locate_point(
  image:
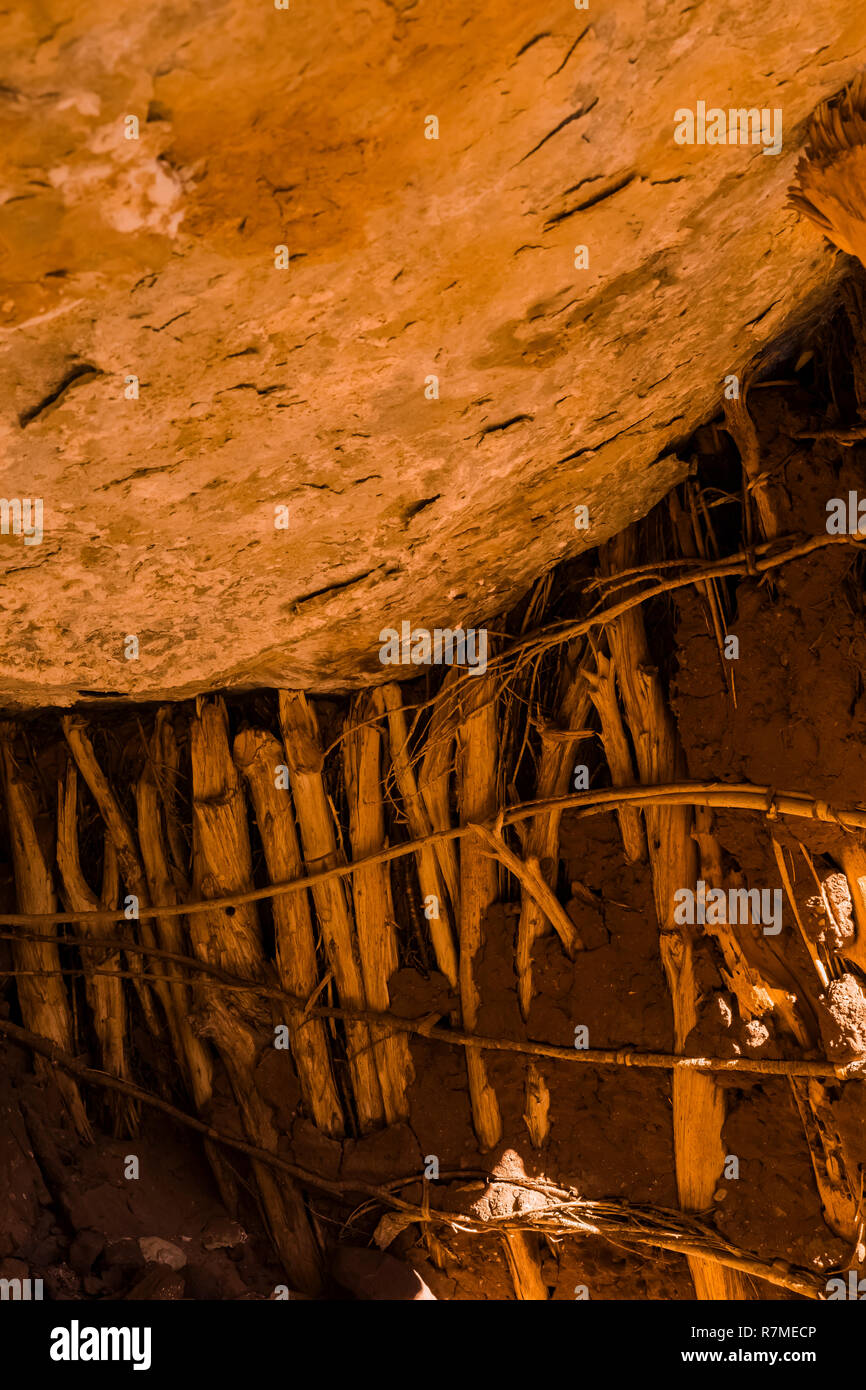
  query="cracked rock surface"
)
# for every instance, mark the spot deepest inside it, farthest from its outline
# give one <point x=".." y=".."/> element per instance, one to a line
<point x="308" y="388"/>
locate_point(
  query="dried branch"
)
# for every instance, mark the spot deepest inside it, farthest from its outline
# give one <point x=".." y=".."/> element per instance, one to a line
<point x="528" y="874"/>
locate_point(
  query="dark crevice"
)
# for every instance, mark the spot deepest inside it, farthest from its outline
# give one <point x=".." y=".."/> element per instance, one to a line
<point x="182" y="315"/>
<point x="602" y="443"/>
<point x="251" y="386"/>
<point x="415" y="507"/>
<point x="575" y="116"/>
<point x="763" y="314"/>
<point x="537" y="39"/>
<point x="77" y="373"/>
<point x="332" y="588"/>
<point x="570" y="51"/>
<point x="593" y="201"/>
<point x="504" y="425"/>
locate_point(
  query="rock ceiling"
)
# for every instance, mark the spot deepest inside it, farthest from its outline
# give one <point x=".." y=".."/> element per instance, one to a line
<point x="150" y="266"/>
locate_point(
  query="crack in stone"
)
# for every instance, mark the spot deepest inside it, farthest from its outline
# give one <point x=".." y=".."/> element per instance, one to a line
<point x="537" y="39"/>
<point x="575" y="116"/>
<point x="76" y="374"/>
<point x="599" y="197"/>
<point x="505" y="425"/>
<point x="558" y="70"/>
<point x="415" y="507"/>
<point x="602" y="444"/>
<point x="333" y="588"/>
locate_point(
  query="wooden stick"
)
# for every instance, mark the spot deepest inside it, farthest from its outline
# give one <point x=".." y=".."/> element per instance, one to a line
<point x="429" y="874"/>
<point x="541" y="846"/>
<point x="259" y="756"/>
<point x="753" y="995"/>
<point x="693" y="542"/>
<point x="371" y="891"/>
<point x="104" y="993"/>
<point x="536" y="1114"/>
<point x="698" y="1104"/>
<point x="757" y="997"/>
<point x="43" y="1002"/>
<point x="434" y="782"/>
<point x="222" y="862"/>
<point x="476" y="800"/>
<point x="191" y="1051"/>
<point x="109" y="891"/>
<point x="838" y="1181"/>
<point x="118" y="827"/>
<point x="166" y="865"/>
<point x="838" y="1187"/>
<point x="164" y="763"/>
<point x="529" y="876"/>
<point x="741" y="428"/>
<point x="523" y="1258"/>
<point x="316" y="822"/>
<point x="852" y="857"/>
<point x="809" y="948"/>
<point x="602" y="691"/>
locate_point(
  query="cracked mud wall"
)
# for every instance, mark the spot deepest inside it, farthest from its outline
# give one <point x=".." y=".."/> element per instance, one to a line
<point x="408" y="258"/>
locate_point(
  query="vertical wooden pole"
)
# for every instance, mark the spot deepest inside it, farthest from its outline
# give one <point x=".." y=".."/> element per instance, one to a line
<point x="371" y="894"/>
<point x="554" y="778"/>
<point x="698" y="1103"/>
<point x="129" y="862"/>
<point x="260" y="758"/>
<point x="433" y="890"/>
<point x="434" y="779"/>
<point x="43" y="1001"/>
<point x="104" y="995"/>
<point x="231" y="938"/>
<point x="318" y="837"/>
<point x="191" y="1050"/>
<point x="477" y="748"/>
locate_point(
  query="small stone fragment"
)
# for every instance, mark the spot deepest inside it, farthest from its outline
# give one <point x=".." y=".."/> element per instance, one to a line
<point x="222" y="1233"/>
<point x="158" y="1251"/>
